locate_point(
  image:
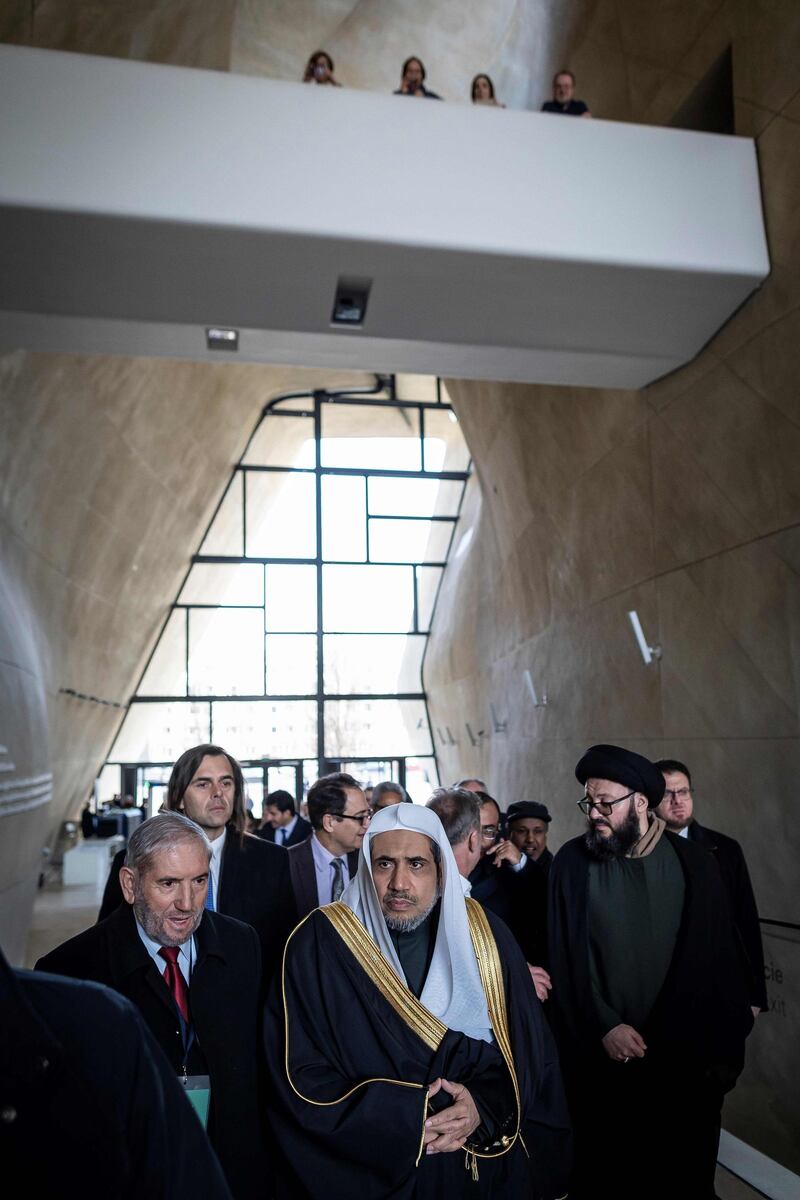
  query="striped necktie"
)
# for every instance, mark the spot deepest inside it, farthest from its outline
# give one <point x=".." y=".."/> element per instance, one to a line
<point x="210" y="893"/>
<point x="338" y="879"/>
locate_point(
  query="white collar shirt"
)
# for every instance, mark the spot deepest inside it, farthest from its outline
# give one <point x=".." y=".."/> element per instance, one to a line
<point x="323" y="868"/>
<point x="186" y="954"/>
<point x="283" y="834"/>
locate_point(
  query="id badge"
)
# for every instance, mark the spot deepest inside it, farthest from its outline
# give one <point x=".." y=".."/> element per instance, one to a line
<point x="198" y="1092"/>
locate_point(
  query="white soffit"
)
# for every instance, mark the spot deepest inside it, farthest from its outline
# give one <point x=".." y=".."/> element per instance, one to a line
<point x="140" y="204"/>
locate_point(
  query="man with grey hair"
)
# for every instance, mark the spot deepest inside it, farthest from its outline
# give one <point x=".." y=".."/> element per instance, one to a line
<point x="386" y="793"/>
<point x="195" y="977"/>
<point x="470" y="785"/>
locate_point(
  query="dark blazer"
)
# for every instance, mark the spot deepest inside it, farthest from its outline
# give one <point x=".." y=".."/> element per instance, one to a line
<point x="518" y="898"/>
<point x="301" y="831"/>
<point x="254" y="887"/>
<point x="77" y="1060"/>
<point x="736" y="878"/>
<point x="304" y="878"/>
<point x="224" y="1002"/>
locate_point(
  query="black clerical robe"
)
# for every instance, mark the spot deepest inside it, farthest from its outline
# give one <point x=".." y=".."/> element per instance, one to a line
<point x="351" y="1060"/>
<point x="694" y="1034"/>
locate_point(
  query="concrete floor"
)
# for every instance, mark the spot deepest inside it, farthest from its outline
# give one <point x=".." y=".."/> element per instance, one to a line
<point x="61" y="912"/>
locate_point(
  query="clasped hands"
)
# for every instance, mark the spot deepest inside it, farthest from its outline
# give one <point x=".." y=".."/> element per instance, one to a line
<point x="449" y="1129"/>
<point x="623" y="1043"/>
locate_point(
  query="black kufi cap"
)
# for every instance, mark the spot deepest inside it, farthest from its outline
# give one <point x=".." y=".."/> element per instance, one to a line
<point x="527" y="809"/>
<point x="632" y="770"/>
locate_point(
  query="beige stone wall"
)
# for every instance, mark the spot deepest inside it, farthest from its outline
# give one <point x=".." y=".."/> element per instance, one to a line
<point x="111" y="469"/>
<point x="682" y="502"/>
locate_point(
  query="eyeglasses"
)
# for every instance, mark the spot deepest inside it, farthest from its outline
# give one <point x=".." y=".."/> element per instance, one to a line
<point x="677" y="793"/>
<point x="489" y="832"/>
<point x="586" y="804"/>
<point x="362" y="817"/>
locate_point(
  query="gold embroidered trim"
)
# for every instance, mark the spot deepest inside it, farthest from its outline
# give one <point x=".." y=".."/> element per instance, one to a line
<point x="329" y="1103"/>
<point x="426" y="1026"/>
<point x="491" y="975"/>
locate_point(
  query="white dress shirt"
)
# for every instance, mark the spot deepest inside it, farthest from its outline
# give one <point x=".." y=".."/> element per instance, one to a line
<point x="323" y="866"/>
<point x="215" y="866"/>
<point x="186" y="954"/>
<point x="283" y="834"/>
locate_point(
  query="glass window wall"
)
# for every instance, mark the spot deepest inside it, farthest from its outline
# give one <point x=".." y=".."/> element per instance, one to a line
<point x="298" y="635"/>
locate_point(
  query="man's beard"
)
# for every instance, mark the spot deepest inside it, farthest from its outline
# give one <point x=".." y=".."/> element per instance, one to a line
<point x="154" y="923"/>
<point x="618" y="843"/>
<point x="400" y="924"/>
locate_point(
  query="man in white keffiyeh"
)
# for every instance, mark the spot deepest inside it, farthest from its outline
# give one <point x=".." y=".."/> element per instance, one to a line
<point x="408" y="895"/>
<point x="406" y="1030"/>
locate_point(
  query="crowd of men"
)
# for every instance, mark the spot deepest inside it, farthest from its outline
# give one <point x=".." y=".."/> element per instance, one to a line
<point x="320" y="70"/>
<point x="399" y="1000"/>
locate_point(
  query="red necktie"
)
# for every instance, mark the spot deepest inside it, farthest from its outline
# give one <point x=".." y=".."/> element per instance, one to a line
<point x="175" y="981"/>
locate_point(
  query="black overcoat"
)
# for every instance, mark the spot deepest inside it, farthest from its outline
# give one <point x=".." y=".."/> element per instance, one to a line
<point x="736" y="878"/>
<point x="90" y="1105"/>
<point x="224" y="1001"/>
<point x="702" y="1015"/>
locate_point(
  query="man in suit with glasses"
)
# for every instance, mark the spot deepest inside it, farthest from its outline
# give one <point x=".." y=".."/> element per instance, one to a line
<point x="322" y="866"/>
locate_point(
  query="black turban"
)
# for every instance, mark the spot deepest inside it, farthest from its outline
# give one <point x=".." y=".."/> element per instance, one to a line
<point x="527" y="808"/>
<point x="632" y="770"/>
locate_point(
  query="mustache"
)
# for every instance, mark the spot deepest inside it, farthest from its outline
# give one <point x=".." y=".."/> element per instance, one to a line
<point x="401" y="896"/>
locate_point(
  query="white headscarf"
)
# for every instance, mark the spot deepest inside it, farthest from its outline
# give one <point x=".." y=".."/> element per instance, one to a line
<point x="453" y="991"/>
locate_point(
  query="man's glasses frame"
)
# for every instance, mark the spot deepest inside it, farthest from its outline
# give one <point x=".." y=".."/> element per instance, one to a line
<point x="678" y="793"/>
<point x="362" y="818"/>
<point x="604" y="807"/>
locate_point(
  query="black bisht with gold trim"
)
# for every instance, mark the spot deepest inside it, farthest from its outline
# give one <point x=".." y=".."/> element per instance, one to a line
<point x="351" y="1053"/>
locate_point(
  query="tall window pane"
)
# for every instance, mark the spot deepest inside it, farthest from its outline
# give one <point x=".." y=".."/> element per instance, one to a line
<point x="291" y="664"/>
<point x="408" y="541"/>
<point x="375" y="599"/>
<point x="160" y="732"/>
<point x="266" y="728"/>
<point x="281" y="516"/>
<point x="166" y="673"/>
<point x="344" y="518"/>
<point x="283" y="441"/>
<point x="366" y="662"/>
<point x="215" y="583"/>
<point x="366" y="727"/>
<point x="226" y="652"/>
<point x="366" y="436"/>
<point x="291" y="604"/>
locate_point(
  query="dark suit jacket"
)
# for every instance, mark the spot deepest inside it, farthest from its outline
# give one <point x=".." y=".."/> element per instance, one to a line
<point x="304" y="878"/>
<point x="224" y="1001"/>
<point x="301" y="831"/>
<point x="519" y="898"/>
<point x="733" y="869"/>
<point x="77" y="1061"/>
<point x="254" y="887"/>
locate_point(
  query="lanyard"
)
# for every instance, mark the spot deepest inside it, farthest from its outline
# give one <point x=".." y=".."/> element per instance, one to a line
<point x="187" y="1028"/>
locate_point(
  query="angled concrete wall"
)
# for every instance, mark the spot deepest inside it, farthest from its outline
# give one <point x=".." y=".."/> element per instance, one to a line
<point x="111" y="469"/>
<point x="681" y="501"/>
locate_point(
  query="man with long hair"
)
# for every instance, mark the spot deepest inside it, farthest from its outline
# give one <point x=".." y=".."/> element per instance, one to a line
<point x="249" y="878"/>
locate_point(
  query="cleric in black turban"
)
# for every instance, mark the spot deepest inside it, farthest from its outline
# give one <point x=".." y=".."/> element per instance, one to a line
<point x="623" y="766"/>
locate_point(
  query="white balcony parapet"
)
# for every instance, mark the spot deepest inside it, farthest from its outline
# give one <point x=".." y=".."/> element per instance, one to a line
<point x="140" y="204"/>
